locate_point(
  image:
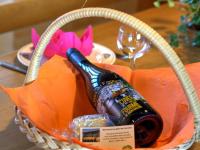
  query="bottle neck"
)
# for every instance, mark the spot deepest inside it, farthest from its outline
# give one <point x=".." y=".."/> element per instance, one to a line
<point x="81" y="63"/>
<point x="75" y="57"/>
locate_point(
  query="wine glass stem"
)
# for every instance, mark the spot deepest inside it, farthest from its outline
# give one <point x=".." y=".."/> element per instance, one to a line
<point x="132" y="63"/>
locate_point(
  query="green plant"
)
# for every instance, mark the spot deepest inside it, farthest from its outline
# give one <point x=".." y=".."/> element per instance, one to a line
<point x="190" y="19"/>
<point x="170" y="3"/>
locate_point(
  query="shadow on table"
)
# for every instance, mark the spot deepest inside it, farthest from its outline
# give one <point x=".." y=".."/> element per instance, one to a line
<point x="12" y="139"/>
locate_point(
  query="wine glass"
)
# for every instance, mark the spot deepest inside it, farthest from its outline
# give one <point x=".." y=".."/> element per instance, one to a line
<point x="132" y="44"/>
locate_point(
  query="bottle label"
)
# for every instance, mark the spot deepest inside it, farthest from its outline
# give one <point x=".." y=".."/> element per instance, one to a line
<point x="131" y="105"/>
<point x="117" y="98"/>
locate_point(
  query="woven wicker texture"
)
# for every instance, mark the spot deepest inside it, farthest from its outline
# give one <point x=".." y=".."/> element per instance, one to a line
<point x="46" y="141"/>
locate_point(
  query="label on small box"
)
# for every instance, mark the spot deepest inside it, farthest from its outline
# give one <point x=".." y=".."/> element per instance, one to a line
<point x="115" y="137"/>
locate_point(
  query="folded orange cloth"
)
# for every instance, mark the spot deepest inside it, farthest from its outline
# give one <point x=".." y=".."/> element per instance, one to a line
<point x="58" y="95"/>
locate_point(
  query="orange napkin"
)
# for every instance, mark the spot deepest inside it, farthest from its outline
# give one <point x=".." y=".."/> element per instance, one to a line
<point x="58" y="95"/>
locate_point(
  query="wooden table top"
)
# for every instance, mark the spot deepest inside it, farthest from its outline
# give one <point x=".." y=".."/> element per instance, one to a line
<point x="104" y="33"/>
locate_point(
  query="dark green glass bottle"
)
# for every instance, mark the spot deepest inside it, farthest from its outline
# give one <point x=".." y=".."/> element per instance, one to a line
<point x="109" y="93"/>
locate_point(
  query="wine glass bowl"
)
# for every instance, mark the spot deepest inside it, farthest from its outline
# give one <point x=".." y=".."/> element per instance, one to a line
<point x="132" y="44"/>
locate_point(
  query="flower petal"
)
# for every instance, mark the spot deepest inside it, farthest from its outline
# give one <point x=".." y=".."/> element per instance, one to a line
<point x="62" y="41"/>
<point x="34" y="37"/>
<point x="51" y="50"/>
<point x="68" y="40"/>
<point x="53" y="47"/>
<point x="87" y="41"/>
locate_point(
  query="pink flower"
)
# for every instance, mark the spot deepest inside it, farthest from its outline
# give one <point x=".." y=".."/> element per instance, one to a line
<point x="62" y="41"/>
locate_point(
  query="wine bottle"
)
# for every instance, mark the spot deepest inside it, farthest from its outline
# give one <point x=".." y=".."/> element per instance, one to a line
<point x="109" y="93"/>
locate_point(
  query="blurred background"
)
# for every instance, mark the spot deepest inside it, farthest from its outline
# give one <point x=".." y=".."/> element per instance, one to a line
<point x="17" y="17"/>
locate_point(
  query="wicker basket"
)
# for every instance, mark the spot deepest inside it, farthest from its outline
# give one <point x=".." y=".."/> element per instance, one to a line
<point x="45" y="141"/>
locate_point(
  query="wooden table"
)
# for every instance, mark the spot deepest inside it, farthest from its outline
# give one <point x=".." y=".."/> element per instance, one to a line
<point x="105" y="33"/>
<point x="34" y="11"/>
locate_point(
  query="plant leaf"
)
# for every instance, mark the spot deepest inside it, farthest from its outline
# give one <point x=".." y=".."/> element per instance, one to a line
<point x="173" y="40"/>
<point x="171" y="3"/>
<point x="196" y="19"/>
<point x="182" y="28"/>
<point x="196" y="40"/>
<point x="156" y="4"/>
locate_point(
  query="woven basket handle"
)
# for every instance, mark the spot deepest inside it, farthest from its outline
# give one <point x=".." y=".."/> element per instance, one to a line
<point x="138" y="25"/>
